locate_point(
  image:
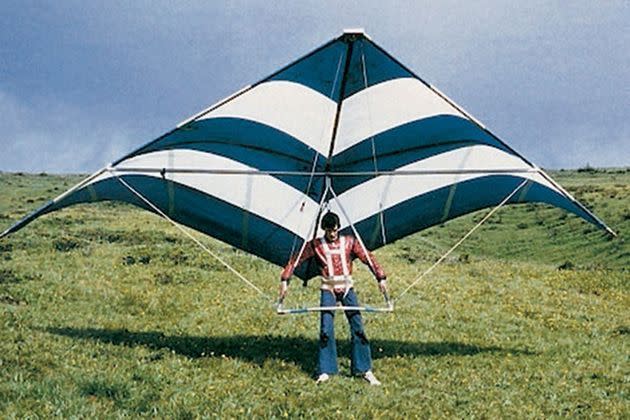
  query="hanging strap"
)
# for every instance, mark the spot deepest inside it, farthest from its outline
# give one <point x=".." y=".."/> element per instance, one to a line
<point x="470" y="232"/>
<point x="178" y="226"/>
<point x="316" y="154"/>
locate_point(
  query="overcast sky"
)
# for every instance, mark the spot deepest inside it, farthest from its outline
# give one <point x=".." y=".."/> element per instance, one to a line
<point x="84" y="82"/>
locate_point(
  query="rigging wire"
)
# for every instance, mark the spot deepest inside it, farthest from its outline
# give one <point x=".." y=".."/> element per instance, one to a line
<point x="470" y="232"/>
<point x="328" y="188"/>
<point x="201" y="245"/>
<point x="354" y="230"/>
<point x="390" y="304"/>
<point x="372" y="140"/>
<point x="312" y="229"/>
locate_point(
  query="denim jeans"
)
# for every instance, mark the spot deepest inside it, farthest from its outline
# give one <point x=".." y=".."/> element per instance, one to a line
<point x="361" y="357"/>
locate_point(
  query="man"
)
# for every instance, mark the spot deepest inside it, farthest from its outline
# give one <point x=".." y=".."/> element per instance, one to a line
<point x="334" y="254"/>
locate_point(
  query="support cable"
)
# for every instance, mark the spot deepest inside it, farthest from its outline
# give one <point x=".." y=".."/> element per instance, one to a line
<point x="443" y="257"/>
<point x="372" y="142"/>
<point x="202" y="246"/>
<point x="301" y="208"/>
<point x="354" y="230"/>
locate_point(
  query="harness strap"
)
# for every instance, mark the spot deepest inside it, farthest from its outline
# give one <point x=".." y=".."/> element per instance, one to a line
<point x="344" y="261"/>
<point x="346" y="279"/>
<point x="337" y="282"/>
<point x="328" y="255"/>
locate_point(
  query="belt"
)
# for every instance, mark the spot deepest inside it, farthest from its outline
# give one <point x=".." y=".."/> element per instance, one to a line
<point x="336" y="282"/>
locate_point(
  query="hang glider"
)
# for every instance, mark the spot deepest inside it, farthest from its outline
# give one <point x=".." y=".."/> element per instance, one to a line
<point x="346" y="126"/>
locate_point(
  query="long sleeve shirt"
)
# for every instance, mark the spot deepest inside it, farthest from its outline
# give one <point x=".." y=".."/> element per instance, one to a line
<point x="334" y="258"/>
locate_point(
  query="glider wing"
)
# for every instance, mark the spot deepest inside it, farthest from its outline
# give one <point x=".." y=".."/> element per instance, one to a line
<point x="347" y="120"/>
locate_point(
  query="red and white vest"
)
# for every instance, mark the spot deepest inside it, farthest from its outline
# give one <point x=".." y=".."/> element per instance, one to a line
<point x="334" y="260"/>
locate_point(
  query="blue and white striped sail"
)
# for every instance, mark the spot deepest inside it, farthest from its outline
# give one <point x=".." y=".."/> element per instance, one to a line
<point x="253" y="169"/>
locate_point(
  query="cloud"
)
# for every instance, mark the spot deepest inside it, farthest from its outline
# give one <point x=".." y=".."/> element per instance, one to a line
<point x="79" y="76"/>
<point x="57" y="137"/>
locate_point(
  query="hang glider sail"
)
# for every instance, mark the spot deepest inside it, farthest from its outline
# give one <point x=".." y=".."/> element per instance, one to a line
<point x="346" y="121"/>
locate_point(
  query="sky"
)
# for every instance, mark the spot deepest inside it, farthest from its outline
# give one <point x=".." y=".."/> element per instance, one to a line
<point x="83" y="83"/>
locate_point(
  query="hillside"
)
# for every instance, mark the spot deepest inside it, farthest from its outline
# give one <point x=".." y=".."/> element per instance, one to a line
<point x="108" y="311"/>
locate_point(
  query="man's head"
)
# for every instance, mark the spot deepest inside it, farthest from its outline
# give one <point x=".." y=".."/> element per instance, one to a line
<point x="330" y="225"/>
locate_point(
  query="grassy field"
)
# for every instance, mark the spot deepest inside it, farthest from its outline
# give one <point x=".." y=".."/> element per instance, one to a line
<point x="108" y="311"/>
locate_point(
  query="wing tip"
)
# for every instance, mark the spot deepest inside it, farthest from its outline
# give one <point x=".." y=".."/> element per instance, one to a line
<point x="611" y="232"/>
<point x="5" y="233"/>
<point x="27" y="219"/>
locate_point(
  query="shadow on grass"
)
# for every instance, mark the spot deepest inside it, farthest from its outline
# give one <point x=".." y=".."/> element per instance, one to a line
<point x="258" y="349"/>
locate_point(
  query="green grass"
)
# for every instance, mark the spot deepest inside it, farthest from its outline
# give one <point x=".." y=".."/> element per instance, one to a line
<point x="108" y="311"/>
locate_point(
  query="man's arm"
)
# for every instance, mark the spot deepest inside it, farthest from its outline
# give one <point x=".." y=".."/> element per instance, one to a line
<point x="294" y="261"/>
<point x="368" y="259"/>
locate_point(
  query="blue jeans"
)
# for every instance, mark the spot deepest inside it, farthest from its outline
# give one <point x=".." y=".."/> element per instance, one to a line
<point x="361" y="356"/>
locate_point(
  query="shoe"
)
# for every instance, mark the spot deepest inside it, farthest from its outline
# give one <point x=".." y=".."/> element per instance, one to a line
<point x="369" y="376"/>
<point x="322" y="378"/>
